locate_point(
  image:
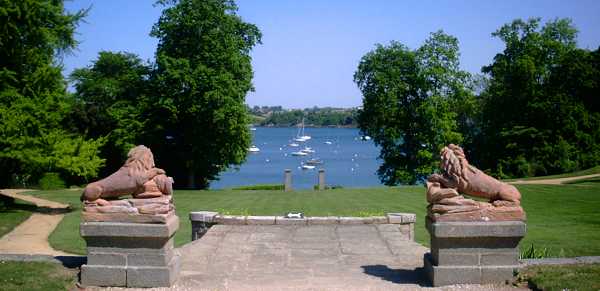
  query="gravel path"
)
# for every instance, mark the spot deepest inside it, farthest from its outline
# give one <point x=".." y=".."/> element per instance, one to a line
<point x="31" y="236"/>
<point x="557" y="181"/>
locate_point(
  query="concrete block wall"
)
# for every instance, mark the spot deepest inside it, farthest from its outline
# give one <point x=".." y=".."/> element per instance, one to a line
<point x="130" y="254"/>
<point x="473" y="252"/>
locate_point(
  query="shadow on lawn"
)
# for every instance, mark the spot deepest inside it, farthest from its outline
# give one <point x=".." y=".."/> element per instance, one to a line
<point x="399" y="276"/>
<point x="8" y="204"/>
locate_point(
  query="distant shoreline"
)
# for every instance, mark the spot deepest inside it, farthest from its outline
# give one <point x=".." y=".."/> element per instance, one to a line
<point x="305" y="126"/>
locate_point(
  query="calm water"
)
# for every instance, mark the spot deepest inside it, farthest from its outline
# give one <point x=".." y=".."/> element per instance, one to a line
<point x="348" y="160"/>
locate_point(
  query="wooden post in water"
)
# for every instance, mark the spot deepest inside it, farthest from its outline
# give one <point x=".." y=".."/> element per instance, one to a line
<point x="287" y="184"/>
<point x="321" y="179"/>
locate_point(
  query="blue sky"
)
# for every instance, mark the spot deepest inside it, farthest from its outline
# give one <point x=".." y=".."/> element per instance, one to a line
<point x="312" y="48"/>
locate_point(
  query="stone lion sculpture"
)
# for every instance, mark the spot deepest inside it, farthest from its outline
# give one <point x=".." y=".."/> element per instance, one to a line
<point x="459" y="177"/>
<point x="138" y="177"/>
<point x="458" y="174"/>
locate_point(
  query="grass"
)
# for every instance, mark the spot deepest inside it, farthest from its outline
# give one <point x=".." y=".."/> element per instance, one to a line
<point x="12" y="214"/>
<point x="567" y="277"/>
<point x="36" y="276"/>
<point x="590" y="171"/>
<point x="561" y="218"/>
<point x="260" y="187"/>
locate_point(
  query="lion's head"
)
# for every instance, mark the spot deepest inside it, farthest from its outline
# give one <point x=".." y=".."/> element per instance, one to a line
<point x="139" y="160"/>
<point x="454" y="163"/>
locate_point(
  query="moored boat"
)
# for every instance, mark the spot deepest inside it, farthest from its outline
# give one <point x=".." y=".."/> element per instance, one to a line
<point x="253" y="149"/>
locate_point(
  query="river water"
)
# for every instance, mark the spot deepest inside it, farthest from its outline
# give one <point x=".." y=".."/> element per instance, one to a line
<point x="348" y="161"/>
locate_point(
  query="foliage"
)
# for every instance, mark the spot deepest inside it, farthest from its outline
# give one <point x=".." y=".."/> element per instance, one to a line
<point x="411" y="102"/>
<point x="312" y="117"/>
<point x="561" y="277"/>
<point x="33" y="97"/>
<point x="540" y="113"/>
<point x="534" y="253"/>
<point x="198" y="123"/>
<point x="36" y="276"/>
<point x="51" y="181"/>
<point x="111" y="98"/>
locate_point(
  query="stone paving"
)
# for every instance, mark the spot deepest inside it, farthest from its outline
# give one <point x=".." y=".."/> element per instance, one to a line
<point x="318" y="257"/>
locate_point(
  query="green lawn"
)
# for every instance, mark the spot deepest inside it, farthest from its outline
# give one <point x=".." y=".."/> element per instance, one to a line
<point x="562" y="218"/>
<point x="36" y="276"/>
<point x="12" y="214"/>
<point x="590" y="171"/>
<point x="568" y="277"/>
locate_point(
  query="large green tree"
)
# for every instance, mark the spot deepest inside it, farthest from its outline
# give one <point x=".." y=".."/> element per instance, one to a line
<point x="111" y="97"/>
<point x="412" y="100"/>
<point x="33" y="99"/>
<point x="540" y="110"/>
<point x="203" y="73"/>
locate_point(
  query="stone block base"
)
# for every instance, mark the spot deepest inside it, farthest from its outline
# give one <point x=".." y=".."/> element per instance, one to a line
<point x="473" y="274"/>
<point x="131" y="276"/>
<point x="130" y="254"/>
<point x="473" y="252"/>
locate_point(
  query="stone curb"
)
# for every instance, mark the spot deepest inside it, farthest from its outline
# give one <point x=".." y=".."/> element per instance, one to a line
<point x="561" y="261"/>
<point x="214" y="217"/>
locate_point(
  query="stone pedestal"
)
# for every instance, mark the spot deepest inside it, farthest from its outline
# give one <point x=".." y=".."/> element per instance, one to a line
<point x="473" y="252"/>
<point x="321" y="179"/>
<point x="126" y="254"/>
<point x="287" y="180"/>
<point x="201" y="222"/>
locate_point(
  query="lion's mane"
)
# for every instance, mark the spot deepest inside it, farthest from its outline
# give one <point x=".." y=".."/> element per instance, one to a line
<point x="139" y="160"/>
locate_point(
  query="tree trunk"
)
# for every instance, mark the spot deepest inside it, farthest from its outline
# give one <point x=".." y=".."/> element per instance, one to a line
<point x="191" y="179"/>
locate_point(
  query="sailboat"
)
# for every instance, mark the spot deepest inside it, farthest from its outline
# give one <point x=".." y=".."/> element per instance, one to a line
<point x="301" y="136"/>
<point x="253" y="149"/>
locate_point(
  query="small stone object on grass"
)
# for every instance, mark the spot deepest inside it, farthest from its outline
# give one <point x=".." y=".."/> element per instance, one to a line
<point x="293" y="215"/>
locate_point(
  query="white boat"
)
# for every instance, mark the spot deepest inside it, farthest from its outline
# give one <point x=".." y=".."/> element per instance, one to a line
<point x="328" y="142"/>
<point x="366" y="137"/>
<point x="308" y="150"/>
<point x="294" y="144"/>
<point x="299" y="154"/>
<point x="307" y="167"/>
<point x="301" y="136"/>
<point x="313" y="162"/>
<point x="253" y="149"/>
<point x="253" y="128"/>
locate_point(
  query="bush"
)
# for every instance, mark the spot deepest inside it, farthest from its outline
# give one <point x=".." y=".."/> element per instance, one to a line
<point x="260" y="187"/>
<point x="51" y="181"/>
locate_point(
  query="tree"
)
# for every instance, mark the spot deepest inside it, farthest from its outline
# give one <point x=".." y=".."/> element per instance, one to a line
<point x="111" y="98"/>
<point x="203" y="73"/>
<point x="538" y="115"/>
<point x="409" y="102"/>
<point x="33" y="98"/>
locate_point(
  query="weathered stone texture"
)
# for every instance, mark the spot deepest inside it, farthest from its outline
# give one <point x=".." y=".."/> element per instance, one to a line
<point x="473" y="252"/>
<point x="130" y="254"/>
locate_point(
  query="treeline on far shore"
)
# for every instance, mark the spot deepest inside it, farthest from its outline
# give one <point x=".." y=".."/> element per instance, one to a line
<point x="277" y="116"/>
